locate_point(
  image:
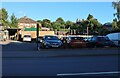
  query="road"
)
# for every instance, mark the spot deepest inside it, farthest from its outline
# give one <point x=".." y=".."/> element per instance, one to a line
<point x="54" y="66"/>
<point x="22" y="59"/>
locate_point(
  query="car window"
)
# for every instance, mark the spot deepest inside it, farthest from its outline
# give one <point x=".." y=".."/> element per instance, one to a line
<point x="51" y="38"/>
<point x="27" y="36"/>
<point x="93" y="39"/>
<point x="102" y="38"/>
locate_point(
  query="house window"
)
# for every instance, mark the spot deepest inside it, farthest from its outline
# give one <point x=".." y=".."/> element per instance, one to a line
<point x="21" y="24"/>
<point x="27" y="25"/>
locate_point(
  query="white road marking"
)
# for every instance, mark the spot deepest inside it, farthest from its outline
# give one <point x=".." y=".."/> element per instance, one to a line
<point x="91" y="73"/>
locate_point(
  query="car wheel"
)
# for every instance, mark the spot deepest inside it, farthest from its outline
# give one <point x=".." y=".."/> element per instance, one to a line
<point x="95" y="46"/>
<point x="69" y="46"/>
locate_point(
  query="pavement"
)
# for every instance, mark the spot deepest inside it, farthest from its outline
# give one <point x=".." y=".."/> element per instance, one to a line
<point x="7" y="42"/>
<point x="58" y="52"/>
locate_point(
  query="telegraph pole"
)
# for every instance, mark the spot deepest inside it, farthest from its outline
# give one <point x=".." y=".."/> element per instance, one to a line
<point x="37" y="37"/>
<point x="87" y="31"/>
<point x="88" y="28"/>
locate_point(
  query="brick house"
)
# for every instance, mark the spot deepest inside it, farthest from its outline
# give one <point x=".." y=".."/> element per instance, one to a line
<point x="26" y="22"/>
<point x="28" y="26"/>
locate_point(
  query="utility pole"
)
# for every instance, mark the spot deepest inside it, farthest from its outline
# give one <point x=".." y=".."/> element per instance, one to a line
<point x="87" y="31"/>
<point x="37" y="36"/>
<point x="88" y="28"/>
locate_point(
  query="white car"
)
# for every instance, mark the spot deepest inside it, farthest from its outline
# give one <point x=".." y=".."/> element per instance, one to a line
<point x="27" y="38"/>
<point x="115" y="37"/>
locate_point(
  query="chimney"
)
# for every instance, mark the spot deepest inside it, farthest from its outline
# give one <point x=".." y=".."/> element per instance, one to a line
<point x="25" y="16"/>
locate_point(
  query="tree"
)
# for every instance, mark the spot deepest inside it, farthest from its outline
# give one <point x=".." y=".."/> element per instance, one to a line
<point x="40" y="21"/>
<point x="90" y="17"/>
<point x="93" y="24"/>
<point x="4" y="17"/>
<point x="116" y="23"/>
<point x="14" y="21"/>
<point x="61" y="22"/>
<point x="68" y="24"/>
<point x="46" y="23"/>
<point x="103" y="31"/>
<point x="116" y="6"/>
<point x="75" y="26"/>
<point x="56" y="25"/>
<point x="82" y="27"/>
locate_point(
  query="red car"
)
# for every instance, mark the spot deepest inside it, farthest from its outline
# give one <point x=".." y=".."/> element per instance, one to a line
<point x="76" y="42"/>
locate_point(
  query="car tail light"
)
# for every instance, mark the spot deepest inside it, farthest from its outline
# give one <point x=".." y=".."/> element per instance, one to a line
<point x="97" y="42"/>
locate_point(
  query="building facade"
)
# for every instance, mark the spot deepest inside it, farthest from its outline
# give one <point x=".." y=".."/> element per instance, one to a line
<point x="26" y="22"/>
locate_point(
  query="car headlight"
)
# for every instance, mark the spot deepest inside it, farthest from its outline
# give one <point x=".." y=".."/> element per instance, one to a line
<point x="60" y="42"/>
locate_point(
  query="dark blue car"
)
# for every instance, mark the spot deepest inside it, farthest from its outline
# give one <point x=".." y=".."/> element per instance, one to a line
<point x="49" y="41"/>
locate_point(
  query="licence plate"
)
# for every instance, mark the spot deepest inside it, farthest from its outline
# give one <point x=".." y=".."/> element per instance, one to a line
<point x="54" y="46"/>
<point x="78" y="42"/>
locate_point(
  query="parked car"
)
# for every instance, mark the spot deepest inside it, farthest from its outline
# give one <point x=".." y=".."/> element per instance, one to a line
<point x="64" y="41"/>
<point x="50" y="41"/>
<point x="27" y="38"/>
<point x="76" y="42"/>
<point x="87" y="40"/>
<point x="115" y="37"/>
<point x="100" y="41"/>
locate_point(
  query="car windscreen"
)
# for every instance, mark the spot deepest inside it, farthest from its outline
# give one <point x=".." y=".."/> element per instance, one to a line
<point x="27" y="36"/>
<point x="51" y="38"/>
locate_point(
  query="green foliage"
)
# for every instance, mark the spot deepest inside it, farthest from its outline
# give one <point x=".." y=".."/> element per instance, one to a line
<point x="4" y="14"/>
<point x="116" y="6"/>
<point x="104" y="32"/>
<point x="4" y="17"/>
<point x="46" y="23"/>
<point x="56" y="25"/>
<point x="75" y="26"/>
<point x="116" y="21"/>
<point x="61" y="22"/>
<point x="81" y="26"/>
<point x="68" y="24"/>
<point x="92" y="24"/>
<point x="40" y="21"/>
<point x="90" y="17"/>
<point x="114" y="24"/>
<point x="14" y="21"/>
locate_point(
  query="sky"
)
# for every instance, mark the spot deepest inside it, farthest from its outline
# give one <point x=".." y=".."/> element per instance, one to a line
<point x="103" y="11"/>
